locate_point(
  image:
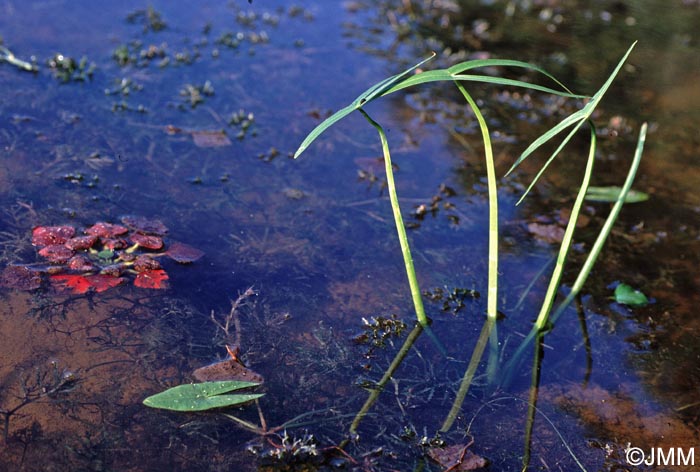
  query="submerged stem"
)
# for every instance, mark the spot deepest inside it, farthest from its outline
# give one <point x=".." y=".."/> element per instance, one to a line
<point x="400" y="228"/>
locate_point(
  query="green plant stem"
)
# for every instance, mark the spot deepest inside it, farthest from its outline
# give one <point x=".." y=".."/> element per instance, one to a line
<point x="489" y="324"/>
<point x="554" y="281"/>
<point x="400" y="228"/>
<point x="607" y="226"/>
<point x="492" y="298"/>
<point x="410" y="340"/>
<point x="532" y="400"/>
<point x="592" y="257"/>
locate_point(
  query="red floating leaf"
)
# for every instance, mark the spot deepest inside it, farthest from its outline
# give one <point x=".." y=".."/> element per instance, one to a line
<point x="81" y="243"/>
<point x="147" y="241"/>
<point x="146" y="226"/>
<point x="80" y="264"/>
<point x="145" y="263"/>
<point x="102" y="282"/>
<point x="83" y="283"/>
<point x="113" y="270"/>
<point x="106" y="230"/>
<point x="210" y="138"/>
<point x="77" y="283"/>
<point x="20" y="278"/>
<point x="57" y="254"/>
<point x="183" y="253"/>
<point x="51" y="235"/>
<point x="151" y="279"/>
<point x="113" y="244"/>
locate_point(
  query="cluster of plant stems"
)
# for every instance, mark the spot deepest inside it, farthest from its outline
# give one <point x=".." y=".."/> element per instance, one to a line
<point x="548" y="315"/>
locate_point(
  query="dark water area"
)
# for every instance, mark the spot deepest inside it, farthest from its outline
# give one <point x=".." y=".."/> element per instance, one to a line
<point x="189" y="115"/>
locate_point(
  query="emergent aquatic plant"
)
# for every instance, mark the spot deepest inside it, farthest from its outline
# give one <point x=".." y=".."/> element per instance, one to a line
<point x="458" y="75"/>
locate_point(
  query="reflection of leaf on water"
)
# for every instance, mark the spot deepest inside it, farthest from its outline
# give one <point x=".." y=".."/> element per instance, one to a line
<point x="202" y="396"/>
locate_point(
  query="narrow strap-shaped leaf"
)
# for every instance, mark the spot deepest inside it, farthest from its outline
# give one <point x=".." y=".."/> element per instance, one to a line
<point x="537" y="143"/>
<point x="556" y="152"/>
<point x="442" y="75"/>
<point x="364" y="98"/>
<point x="323" y="126"/>
<point x="580" y="116"/>
<point x="457" y="70"/>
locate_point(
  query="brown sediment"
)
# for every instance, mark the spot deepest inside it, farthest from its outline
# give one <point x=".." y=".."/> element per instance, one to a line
<point x="618" y="418"/>
<point x="83" y="370"/>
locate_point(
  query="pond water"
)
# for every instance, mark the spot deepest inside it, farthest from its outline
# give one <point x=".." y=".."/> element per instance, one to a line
<point x="189" y="116"/>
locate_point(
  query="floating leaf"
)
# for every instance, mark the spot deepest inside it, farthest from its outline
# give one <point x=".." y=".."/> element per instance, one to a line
<point x="611" y="194"/>
<point x="51" y="235"/>
<point x="144" y="225"/>
<point x="112" y="244"/>
<point x="83" y="283"/>
<point x="627" y="295"/>
<point x="183" y="253"/>
<point x="202" y="396"/>
<point x="80" y="264"/>
<point x="20" y="278"/>
<point x="81" y="243"/>
<point x="144" y="263"/>
<point x="101" y="282"/>
<point x="113" y="270"/>
<point x="57" y="254"/>
<point x="106" y="230"/>
<point x="147" y="240"/>
<point x="210" y="138"/>
<point x="151" y="279"/>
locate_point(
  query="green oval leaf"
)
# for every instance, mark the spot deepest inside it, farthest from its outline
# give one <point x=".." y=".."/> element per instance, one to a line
<point x="611" y="194"/>
<point x="627" y="295"/>
<point x="202" y="396"/>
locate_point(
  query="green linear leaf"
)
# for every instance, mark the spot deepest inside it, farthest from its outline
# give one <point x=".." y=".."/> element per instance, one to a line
<point x="612" y="193"/>
<point x="580" y="116"/>
<point x="202" y="396"/>
<point x="442" y="76"/>
<point x="365" y="97"/>
<point x="457" y="70"/>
